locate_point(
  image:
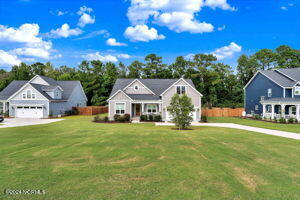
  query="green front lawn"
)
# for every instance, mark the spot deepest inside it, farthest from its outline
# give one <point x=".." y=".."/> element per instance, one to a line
<point x="261" y="124"/>
<point x="80" y="160"/>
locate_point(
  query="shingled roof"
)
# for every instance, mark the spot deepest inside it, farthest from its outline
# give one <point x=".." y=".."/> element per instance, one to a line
<point x="285" y="78"/>
<point x="67" y="86"/>
<point x="157" y="86"/>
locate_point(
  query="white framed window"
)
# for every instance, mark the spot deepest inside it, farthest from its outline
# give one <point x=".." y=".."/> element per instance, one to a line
<point x="23" y="95"/>
<point x="120" y="108"/>
<point x="256" y="107"/>
<point x="151" y="108"/>
<point x="297" y="90"/>
<point x="1" y="107"/>
<point x="268" y="108"/>
<point x="181" y="89"/>
<point x="28" y="94"/>
<point x="293" y="110"/>
<point x="269" y="92"/>
<point x="33" y="95"/>
<point x="262" y="98"/>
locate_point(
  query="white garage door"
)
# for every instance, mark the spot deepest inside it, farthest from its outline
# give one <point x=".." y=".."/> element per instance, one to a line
<point x="29" y="112"/>
<point x="169" y="117"/>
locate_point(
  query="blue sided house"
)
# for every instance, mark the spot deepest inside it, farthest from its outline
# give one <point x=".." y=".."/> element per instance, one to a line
<point x="274" y="94"/>
<point x="41" y="97"/>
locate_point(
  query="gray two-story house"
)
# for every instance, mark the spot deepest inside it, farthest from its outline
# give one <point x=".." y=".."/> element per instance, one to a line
<point x="150" y="96"/>
<point x="274" y="94"/>
<point x="41" y="97"/>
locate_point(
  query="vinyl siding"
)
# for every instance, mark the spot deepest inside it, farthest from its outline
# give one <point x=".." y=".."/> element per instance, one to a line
<point x="112" y="111"/>
<point x="257" y="88"/>
<point x="195" y="97"/>
<point x="77" y="98"/>
<point x="141" y="89"/>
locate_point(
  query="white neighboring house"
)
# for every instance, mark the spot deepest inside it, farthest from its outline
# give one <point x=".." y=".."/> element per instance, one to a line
<point x="41" y="97"/>
<point x="138" y="97"/>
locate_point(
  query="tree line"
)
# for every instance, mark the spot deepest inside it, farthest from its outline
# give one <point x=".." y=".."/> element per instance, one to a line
<point x="220" y="85"/>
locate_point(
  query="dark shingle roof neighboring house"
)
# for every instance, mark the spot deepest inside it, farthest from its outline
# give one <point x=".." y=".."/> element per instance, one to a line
<point x="293" y="73"/>
<point x="12" y="88"/>
<point x="278" y="78"/>
<point x="67" y="86"/>
<point x="157" y="86"/>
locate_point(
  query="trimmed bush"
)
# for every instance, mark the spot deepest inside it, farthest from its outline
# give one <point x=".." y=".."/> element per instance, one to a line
<point x="291" y="120"/>
<point x="151" y="117"/>
<point x="204" y="119"/>
<point x="157" y="118"/>
<point x="143" y="118"/>
<point x="117" y="117"/>
<point x="282" y="120"/>
<point x="126" y="117"/>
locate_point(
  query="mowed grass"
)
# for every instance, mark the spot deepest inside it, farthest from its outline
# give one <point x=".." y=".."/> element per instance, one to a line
<point x="261" y="124"/>
<point x="80" y="160"/>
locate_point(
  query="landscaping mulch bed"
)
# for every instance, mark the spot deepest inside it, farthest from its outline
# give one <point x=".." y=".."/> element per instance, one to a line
<point x="261" y="120"/>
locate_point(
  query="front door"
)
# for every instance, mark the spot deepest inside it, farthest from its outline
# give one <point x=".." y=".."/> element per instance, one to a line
<point x="137" y="109"/>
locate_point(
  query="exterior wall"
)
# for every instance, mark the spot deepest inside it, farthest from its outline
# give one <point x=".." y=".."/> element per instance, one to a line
<point x="39" y="80"/>
<point x="257" y="88"/>
<point x="141" y="89"/>
<point x="112" y="112"/>
<point x="77" y="99"/>
<point x="39" y="96"/>
<point x="12" y="110"/>
<point x="196" y="99"/>
<point x="118" y="98"/>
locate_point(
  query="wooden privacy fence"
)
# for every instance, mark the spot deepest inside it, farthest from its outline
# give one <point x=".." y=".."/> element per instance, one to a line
<point x="222" y="112"/>
<point x="92" y="110"/>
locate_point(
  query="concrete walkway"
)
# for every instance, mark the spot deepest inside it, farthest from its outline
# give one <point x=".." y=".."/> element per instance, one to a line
<point x="15" y="122"/>
<point x="285" y="134"/>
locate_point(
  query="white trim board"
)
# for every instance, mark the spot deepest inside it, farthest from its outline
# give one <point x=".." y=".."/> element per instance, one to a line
<point x="141" y="84"/>
<point x="186" y="83"/>
<point x="117" y="93"/>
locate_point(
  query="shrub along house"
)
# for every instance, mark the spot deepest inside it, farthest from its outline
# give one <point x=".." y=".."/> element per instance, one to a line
<point x="274" y="94"/>
<point x="138" y="97"/>
<point x="41" y="97"/>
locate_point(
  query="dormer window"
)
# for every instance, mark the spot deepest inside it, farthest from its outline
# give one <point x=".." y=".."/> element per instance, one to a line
<point x="136" y="87"/>
<point x="57" y="93"/>
<point x="297" y="90"/>
<point x="181" y="89"/>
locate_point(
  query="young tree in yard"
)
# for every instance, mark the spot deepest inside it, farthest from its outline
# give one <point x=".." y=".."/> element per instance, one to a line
<point x="180" y="109"/>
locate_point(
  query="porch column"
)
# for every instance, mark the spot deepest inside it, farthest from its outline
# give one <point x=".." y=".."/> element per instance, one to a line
<point x="142" y="108"/>
<point x="283" y="110"/>
<point x="273" y="111"/>
<point x="264" y="110"/>
<point x="298" y="112"/>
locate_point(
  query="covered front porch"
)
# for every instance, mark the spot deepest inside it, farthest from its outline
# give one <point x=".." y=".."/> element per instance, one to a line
<point x="145" y="108"/>
<point x="281" y="109"/>
<point x="4" y="106"/>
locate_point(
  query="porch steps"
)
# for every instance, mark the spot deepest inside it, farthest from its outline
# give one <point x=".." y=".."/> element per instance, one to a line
<point x="135" y="120"/>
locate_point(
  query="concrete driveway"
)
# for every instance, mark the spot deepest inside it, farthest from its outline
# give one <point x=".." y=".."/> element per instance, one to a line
<point x="14" y="122"/>
<point x="285" y="134"/>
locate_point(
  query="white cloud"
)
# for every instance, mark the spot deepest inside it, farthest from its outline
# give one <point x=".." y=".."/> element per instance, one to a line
<point x="182" y="21"/>
<point x="58" y="12"/>
<point x="85" y="17"/>
<point x="8" y="59"/>
<point x="102" y="58"/>
<point x="222" y="4"/>
<point x="286" y="7"/>
<point x="113" y="42"/>
<point x="64" y="31"/>
<point x="142" y="33"/>
<point x="124" y="56"/>
<point x="283" y="8"/>
<point x="177" y="15"/>
<point x="227" y="51"/>
<point x="105" y="33"/>
<point x="28" y="35"/>
<point x="221" y="28"/>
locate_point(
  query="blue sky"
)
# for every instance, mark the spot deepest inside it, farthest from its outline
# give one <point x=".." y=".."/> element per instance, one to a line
<point x="67" y="32"/>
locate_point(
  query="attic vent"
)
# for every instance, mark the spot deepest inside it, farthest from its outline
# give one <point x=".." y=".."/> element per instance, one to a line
<point x="136" y="87"/>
